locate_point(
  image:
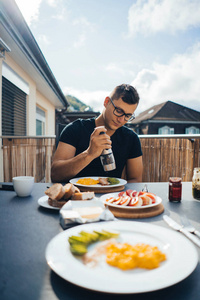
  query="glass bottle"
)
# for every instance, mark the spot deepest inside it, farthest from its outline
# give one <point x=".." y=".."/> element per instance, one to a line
<point x="175" y="189"/>
<point x="107" y="159"/>
<point x="196" y="184"/>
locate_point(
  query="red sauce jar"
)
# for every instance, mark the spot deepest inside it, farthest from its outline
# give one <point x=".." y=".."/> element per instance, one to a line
<point x="175" y="189"/>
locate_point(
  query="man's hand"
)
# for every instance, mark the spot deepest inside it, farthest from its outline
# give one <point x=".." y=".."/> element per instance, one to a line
<point x="66" y="165"/>
<point x="98" y="142"/>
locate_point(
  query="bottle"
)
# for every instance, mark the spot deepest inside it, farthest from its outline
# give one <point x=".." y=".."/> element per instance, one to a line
<point x="175" y="189"/>
<point x="196" y="184"/>
<point x="107" y="159"/>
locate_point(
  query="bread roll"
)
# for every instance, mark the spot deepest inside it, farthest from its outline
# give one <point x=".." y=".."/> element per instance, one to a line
<point x="56" y="203"/>
<point x="69" y="190"/>
<point x="82" y="196"/>
<point x="56" y="191"/>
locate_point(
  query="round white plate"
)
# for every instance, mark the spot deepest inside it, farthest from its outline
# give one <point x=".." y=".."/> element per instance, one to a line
<point x="121" y="182"/>
<point x="43" y="201"/>
<point x="182" y="258"/>
<point x="106" y="196"/>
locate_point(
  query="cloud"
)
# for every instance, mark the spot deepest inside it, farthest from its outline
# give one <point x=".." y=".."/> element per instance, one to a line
<point x="29" y="9"/>
<point x="114" y="68"/>
<point x="152" y="16"/>
<point x="61" y="14"/>
<point x="84" y="28"/>
<point x="59" y="8"/>
<point x="122" y="68"/>
<point x="44" y="39"/>
<point x="94" y="99"/>
<point x="80" y="41"/>
<point x="177" y="81"/>
<point x="82" y="21"/>
<point x="52" y="3"/>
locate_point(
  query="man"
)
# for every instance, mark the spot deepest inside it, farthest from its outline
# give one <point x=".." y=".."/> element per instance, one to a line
<point x="81" y="144"/>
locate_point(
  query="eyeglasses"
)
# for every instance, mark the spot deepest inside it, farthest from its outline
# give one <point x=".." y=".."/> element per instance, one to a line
<point x="118" y="112"/>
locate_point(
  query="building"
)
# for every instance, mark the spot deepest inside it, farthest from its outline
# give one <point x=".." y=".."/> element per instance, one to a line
<point x="66" y="117"/>
<point x="63" y="117"/>
<point x="29" y="92"/>
<point x="167" y="118"/>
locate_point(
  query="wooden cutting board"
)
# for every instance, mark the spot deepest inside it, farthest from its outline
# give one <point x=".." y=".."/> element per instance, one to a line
<point x="101" y="190"/>
<point x="137" y="213"/>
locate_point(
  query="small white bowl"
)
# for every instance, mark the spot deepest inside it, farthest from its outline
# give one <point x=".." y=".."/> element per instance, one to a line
<point x="23" y="185"/>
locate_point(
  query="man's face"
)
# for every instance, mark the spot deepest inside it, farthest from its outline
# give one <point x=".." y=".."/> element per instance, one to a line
<point x="112" y="121"/>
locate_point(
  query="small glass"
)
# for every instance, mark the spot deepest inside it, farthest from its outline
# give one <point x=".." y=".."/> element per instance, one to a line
<point x="196" y="184"/>
<point x="175" y="189"/>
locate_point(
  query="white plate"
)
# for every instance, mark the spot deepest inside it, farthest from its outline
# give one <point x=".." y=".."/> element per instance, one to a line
<point x="182" y="258"/>
<point x="106" y="196"/>
<point x="121" y="182"/>
<point x="43" y="201"/>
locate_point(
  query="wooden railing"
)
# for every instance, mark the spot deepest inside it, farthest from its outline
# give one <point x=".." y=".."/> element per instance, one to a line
<point x="163" y="156"/>
<point x="31" y="156"/>
<point x="170" y="155"/>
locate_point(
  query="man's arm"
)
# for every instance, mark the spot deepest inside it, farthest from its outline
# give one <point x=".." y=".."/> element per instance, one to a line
<point x="134" y="169"/>
<point x="66" y="165"/>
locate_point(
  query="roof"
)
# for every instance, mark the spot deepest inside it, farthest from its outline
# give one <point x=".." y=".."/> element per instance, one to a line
<point x="168" y="111"/>
<point x="26" y="52"/>
<point x="65" y="117"/>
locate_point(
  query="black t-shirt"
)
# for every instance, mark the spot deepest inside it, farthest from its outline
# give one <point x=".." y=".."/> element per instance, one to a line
<point x="125" y="145"/>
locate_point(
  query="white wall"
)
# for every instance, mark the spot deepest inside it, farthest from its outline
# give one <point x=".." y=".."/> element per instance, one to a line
<point x="33" y="98"/>
<point x="49" y="109"/>
<point x="1" y="151"/>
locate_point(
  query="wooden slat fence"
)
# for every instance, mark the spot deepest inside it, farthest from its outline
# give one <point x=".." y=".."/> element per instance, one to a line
<point x="166" y="157"/>
<point x="162" y="157"/>
<point x="28" y="156"/>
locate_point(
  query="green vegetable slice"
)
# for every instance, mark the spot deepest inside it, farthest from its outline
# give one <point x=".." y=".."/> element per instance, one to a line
<point x="79" y="243"/>
<point x="113" y="180"/>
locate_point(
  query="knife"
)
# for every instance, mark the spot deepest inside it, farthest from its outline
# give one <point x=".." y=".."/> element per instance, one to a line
<point x="178" y="227"/>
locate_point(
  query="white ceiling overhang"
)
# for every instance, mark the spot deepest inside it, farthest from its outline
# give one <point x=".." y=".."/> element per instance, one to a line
<point x="27" y="54"/>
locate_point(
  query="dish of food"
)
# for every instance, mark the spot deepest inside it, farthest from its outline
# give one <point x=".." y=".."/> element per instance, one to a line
<point x="43" y="201"/>
<point x="181" y="259"/>
<point x="76" y="181"/>
<point x="131" y="201"/>
<point x="120" y="255"/>
<point x="60" y="194"/>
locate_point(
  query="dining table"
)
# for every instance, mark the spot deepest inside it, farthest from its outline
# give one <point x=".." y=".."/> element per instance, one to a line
<point x="26" y="228"/>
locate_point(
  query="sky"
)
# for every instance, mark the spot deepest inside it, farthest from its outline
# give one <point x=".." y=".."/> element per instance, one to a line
<point x="91" y="46"/>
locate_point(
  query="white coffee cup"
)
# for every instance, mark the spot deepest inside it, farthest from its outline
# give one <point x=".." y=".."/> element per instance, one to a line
<point x="23" y="185"/>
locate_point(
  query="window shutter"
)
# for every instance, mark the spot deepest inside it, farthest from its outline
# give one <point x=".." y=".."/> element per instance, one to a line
<point x="13" y="109"/>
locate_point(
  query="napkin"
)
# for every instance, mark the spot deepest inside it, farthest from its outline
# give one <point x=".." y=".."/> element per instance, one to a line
<point x="82" y="212"/>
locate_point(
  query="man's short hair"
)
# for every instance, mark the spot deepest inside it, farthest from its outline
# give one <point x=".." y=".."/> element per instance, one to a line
<point x="127" y="92"/>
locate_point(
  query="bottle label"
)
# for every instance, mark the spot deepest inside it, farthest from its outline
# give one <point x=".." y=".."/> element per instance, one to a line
<point x="176" y="192"/>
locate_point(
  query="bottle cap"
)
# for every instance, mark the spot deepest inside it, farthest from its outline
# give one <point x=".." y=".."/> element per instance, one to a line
<point x="175" y="179"/>
<point x="107" y="151"/>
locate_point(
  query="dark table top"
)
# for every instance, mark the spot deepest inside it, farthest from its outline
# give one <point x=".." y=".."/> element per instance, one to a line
<point x="26" y="229"/>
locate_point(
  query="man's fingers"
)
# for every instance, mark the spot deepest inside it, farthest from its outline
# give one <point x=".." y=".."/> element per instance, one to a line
<point x="99" y="129"/>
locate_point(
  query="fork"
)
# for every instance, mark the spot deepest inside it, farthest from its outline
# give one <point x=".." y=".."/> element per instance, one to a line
<point x="188" y="226"/>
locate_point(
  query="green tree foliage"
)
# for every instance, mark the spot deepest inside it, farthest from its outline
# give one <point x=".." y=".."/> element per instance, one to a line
<point x="76" y="104"/>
